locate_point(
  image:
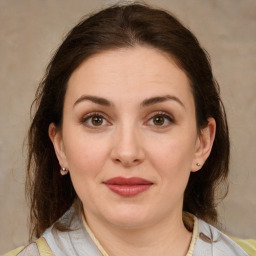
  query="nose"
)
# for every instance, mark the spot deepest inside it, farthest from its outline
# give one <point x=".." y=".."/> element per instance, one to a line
<point x="127" y="147"/>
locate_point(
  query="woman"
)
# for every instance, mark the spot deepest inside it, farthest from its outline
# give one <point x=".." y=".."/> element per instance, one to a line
<point x="128" y="143"/>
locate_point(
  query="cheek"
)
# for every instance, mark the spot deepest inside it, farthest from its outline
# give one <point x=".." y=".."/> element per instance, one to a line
<point x="86" y="159"/>
<point x="172" y="158"/>
<point x="86" y="155"/>
<point x="174" y="152"/>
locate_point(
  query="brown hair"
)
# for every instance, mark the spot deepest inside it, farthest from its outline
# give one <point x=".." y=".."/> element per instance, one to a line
<point x="51" y="194"/>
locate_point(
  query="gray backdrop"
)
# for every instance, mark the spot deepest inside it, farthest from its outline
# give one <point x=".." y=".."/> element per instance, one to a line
<point x="32" y="30"/>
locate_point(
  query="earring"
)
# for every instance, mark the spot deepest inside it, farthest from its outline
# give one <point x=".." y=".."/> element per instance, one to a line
<point x="63" y="171"/>
<point x="197" y="164"/>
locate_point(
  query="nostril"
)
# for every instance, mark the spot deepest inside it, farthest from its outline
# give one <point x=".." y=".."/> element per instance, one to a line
<point x="127" y="151"/>
<point x="127" y="162"/>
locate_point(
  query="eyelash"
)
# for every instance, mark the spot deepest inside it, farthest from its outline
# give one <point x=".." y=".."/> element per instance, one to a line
<point x="163" y="114"/>
<point x="85" y="119"/>
<point x="89" y="116"/>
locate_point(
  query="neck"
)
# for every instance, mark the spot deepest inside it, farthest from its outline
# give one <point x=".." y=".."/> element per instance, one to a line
<point x="153" y="239"/>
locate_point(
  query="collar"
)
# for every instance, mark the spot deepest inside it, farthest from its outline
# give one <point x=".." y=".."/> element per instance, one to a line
<point x="190" y="221"/>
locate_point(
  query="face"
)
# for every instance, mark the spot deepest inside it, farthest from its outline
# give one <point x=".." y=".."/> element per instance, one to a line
<point x="129" y="136"/>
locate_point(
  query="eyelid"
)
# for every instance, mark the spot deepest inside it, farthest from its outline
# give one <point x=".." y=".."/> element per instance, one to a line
<point x="164" y="114"/>
<point x="161" y="112"/>
<point x="95" y="113"/>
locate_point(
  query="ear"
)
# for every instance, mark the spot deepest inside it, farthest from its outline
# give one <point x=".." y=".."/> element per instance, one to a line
<point x="57" y="141"/>
<point x="204" y="145"/>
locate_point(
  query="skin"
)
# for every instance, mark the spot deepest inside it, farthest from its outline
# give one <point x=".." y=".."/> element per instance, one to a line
<point x="132" y="137"/>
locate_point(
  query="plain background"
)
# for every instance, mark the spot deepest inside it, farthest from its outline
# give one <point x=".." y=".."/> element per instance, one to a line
<point x="30" y="31"/>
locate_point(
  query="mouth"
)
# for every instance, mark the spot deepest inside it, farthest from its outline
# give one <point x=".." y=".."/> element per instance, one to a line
<point x="128" y="187"/>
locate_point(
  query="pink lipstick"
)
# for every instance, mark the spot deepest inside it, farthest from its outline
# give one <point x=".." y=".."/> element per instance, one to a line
<point x="128" y="187"/>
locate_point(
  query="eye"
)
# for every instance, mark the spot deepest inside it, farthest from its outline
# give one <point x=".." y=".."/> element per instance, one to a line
<point x="94" y="120"/>
<point x="161" y="119"/>
<point x="158" y="120"/>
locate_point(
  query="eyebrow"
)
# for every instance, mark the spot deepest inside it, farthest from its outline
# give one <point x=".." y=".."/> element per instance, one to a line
<point x="94" y="99"/>
<point x="145" y="103"/>
<point x="159" y="99"/>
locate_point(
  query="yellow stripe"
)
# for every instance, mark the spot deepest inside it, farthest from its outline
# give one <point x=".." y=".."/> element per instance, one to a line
<point x="14" y="252"/>
<point x="43" y="247"/>
<point x="94" y="239"/>
<point x="194" y="237"/>
<point x="249" y="245"/>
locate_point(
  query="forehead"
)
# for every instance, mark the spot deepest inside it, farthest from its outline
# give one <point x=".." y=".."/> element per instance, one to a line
<point x="129" y="72"/>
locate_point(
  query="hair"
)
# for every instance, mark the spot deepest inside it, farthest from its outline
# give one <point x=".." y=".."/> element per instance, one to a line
<point x="122" y="26"/>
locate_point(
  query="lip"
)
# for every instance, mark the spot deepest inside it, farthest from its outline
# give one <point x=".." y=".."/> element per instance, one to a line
<point x="128" y="187"/>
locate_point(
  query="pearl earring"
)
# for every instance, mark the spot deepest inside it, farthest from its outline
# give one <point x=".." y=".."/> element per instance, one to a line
<point x="63" y="171"/>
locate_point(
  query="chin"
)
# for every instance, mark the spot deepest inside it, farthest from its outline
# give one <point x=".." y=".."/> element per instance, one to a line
<point x="128" y="217"/>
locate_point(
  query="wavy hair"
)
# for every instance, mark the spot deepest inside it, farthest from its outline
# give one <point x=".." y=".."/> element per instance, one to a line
<point x="119" y="26"/>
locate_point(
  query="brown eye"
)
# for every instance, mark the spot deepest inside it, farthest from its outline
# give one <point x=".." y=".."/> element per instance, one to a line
<point x="94" y="120"/>
<point x="97" y="120"/>
<point x="159" y="120"/>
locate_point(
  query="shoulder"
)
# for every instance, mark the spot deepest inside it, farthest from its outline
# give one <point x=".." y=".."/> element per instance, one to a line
<point x="214" y="242"/>
<point x="14" y="252"/>
<point x="29" y="250"/>
<point x="249" y="245"/>
<point x="40" y="247"/>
